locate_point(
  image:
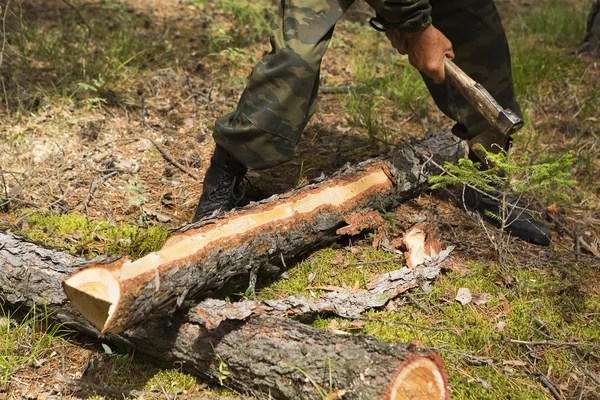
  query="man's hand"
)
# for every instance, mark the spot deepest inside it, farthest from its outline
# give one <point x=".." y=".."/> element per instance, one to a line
<point x="427" y="50"/>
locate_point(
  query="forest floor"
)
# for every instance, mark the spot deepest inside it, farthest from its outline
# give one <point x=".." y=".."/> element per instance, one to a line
<point x="103" y="99"/>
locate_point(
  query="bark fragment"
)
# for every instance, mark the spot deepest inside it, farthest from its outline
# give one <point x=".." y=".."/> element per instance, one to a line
<point x="346" y="303"/>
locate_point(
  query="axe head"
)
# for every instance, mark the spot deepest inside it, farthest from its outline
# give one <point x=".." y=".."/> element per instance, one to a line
<point x="508" y="122"/>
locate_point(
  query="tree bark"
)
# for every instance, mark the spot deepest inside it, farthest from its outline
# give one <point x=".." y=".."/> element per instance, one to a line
<point x="591" y="41"/>
<point x="265" y="356"/>
<point x="121" y="294"/>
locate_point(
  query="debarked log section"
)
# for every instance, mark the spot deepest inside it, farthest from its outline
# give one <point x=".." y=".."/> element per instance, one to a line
<point x="265" y="355"/>
<point x="121" y="294"/>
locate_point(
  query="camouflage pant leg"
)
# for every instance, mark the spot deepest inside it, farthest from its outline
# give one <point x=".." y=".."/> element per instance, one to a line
<point x="282" y="90"/>
<point x="481" y="49"/>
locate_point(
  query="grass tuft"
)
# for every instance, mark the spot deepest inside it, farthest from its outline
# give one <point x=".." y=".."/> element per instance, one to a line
<point x="26" y="340"/>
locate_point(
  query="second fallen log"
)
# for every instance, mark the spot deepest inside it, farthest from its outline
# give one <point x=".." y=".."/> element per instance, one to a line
<point x="121" y="294"/>
<point x="262" y="357"/>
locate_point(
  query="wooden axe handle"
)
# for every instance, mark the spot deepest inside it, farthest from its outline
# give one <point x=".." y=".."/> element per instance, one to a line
<point x="501" y="119"/>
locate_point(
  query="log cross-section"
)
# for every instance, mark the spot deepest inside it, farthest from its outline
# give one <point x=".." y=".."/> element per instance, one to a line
<point x="121" y="294"/>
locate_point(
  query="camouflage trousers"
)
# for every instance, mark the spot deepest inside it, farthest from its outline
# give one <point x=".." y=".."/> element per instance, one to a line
<point x="282" y="91"/>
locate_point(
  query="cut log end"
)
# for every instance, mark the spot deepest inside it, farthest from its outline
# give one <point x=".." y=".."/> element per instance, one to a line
<point x="94" y="293"/>
<point x="420" y="378"/>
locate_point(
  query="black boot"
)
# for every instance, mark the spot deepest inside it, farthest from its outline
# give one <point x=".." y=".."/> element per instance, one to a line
<point x="222" y="189"/>
<point x="519" y="222"/>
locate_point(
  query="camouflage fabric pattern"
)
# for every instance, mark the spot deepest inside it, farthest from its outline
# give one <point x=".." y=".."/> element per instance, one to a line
<point x="282" y="91"/>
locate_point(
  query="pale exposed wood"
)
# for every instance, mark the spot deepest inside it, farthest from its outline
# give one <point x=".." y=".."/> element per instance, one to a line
<point x="422" y="243"/>
<point x="419" y="379"/>
<point x="283" y="227"/>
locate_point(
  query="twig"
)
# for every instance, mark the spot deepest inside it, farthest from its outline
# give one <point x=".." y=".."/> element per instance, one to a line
<point x="9" y="199"/>
<point x="4" y="185"/>
<point x="582" y="391"/>
<point x="416" y="303"/>
<point x="340" y="89"/>
<point x="592" y="377"/>
<point x="170" y="158"/>
<point x="6" y="7"/>
<point x="94" y="187"/>
<point x="553" y="343"/>
<point x="22" y="217"/>
<point x="555" y="393"/>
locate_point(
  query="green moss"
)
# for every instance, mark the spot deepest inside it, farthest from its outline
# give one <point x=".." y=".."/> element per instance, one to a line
<point x="90" y="238"/>
<point x="529" y="301"/>
<point x="487" y="382"/>
<point x="171" y="381"/>
<point x="330" y="272"/>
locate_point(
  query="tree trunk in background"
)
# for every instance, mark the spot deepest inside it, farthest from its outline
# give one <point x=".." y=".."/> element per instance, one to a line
<point x="280" y="358"/>
<point x="591" y="42"/>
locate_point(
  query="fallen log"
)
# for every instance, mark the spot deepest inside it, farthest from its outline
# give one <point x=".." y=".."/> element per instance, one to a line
<point x="118" y="295"/>
<point x="264" y="355"/>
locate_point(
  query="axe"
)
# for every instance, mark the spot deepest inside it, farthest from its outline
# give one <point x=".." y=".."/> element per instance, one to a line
<point x="504" y="122"/>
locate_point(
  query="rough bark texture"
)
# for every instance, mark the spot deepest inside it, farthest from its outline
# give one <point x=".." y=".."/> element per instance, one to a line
<point x="265" y="233"/>
<point x="345" y="302"/>
<point x="263" y="355"/>
<point x="591" y="41"/>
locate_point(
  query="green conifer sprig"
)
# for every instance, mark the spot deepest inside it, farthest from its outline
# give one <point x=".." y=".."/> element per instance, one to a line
<point x="509" y="175"/>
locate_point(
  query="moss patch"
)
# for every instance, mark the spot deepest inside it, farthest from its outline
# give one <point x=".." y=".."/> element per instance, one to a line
<point x="476" y="341"/>
<point x="91" y="238"/>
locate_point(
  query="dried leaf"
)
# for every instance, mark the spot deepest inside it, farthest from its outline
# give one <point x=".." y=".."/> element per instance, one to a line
<point x="463" y="296"/>
<point x="500" y="326"/>
<point x="552" y="209"/>
<point x="311" y="278"/>
<point x="160" y="217"/>
<point x="339" y="258"/>
<point x="484" y="383"/>
<point x="380" y="239"/>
